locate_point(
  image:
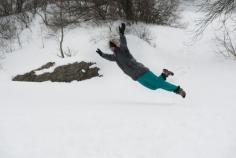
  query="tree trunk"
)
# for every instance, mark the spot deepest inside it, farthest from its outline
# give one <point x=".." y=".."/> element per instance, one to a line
<point x="127" y="6"/>
<point x="61" y="42"/>
<point x="19" y="5"/>
<point x="62" y="31"/>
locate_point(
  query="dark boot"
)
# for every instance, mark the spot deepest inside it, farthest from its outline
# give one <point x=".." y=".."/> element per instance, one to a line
<point x="180" y="91"/>
<point x="166" y="73"/>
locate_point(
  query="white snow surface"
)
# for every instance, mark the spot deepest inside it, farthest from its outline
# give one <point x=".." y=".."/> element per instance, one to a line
<point x="114" y="116"/>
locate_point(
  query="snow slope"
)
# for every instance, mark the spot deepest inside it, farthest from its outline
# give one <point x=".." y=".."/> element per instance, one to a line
<point x="114" y="116"/>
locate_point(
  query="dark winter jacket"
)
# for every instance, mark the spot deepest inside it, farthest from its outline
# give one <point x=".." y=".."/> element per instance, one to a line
<point x="125" y="60"/>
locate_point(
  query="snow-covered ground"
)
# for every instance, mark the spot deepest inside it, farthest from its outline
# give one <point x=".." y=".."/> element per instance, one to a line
<point x="113" y="116"/>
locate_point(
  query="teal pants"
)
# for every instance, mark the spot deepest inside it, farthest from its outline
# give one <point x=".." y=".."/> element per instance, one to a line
<point x="153" y="82"/>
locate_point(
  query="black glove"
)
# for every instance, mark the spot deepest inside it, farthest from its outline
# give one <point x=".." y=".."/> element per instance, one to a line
<point x="122" y="28"/>
<point x="99" y="52"/>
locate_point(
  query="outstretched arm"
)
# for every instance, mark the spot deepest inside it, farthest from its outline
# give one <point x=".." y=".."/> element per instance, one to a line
<point x="110" y="57"/>
<point x="123" y="42"/>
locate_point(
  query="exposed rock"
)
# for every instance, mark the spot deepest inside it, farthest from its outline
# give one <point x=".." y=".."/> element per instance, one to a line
<point x="66" y="73"/>
<point x="46" y="66"/>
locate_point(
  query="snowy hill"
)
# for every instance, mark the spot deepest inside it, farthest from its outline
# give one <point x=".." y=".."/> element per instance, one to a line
<point x="114" y="116"/>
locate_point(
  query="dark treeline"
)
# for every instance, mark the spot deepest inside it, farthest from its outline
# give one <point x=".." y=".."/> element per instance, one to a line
<point x="16" y="15"/>
<point x="148" y="11"/>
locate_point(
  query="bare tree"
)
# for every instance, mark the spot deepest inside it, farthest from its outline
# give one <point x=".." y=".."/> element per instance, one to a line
<point x="212" y="10"/>
<point x="226" y="45"/>
<point x="8" y="33"/>
<point x="5" y="8"/>
<point x="58" y="14"/>
<point x="128" y="7"/>
<point x="162" y="12"/>
<point x="56" y="20"/>
<point x="63" y="13"/>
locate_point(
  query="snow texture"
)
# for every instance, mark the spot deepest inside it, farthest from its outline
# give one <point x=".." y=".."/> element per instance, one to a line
<point x="114" y="116"/>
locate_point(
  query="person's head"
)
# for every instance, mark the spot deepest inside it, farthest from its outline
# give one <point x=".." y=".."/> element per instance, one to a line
<point x="112" y="45"/>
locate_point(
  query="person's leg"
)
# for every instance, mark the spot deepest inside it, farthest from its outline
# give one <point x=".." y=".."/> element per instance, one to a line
<point x="168" y="86"/>
<point x="145" y="81"/>
<point x="151" y="81"/>
<point x="163" y="76"/>
<point x="161" y="83"/>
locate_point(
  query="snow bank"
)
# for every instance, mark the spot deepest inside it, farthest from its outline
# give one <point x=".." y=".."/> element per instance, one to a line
<point x="114" y="116"/>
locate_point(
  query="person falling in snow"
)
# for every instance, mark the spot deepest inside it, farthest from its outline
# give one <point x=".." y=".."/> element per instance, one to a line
<point x="137" y="71"/>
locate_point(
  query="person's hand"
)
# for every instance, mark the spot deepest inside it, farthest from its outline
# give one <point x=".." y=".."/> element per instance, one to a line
<point x="99" y="51"/>
<point x="122" y="28"/>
